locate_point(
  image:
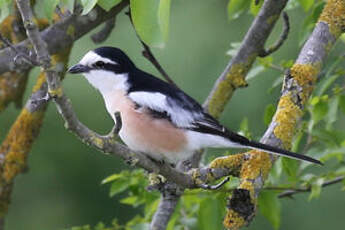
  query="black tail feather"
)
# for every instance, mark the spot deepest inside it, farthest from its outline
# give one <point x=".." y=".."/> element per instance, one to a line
<point x="281" y="152"/>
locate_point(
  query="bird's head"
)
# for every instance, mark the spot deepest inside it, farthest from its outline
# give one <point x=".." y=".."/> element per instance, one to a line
<point x="105" y="68"/>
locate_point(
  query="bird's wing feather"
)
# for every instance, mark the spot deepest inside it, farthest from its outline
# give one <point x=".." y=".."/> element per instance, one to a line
<point x="182" y="113"/>
<point x="167" y="101"/>
<point x="165" y="107"/>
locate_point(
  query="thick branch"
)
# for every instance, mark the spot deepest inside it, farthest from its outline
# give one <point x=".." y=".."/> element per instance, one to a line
<point x="60" y="35"/>
<point x="298" y="86"/>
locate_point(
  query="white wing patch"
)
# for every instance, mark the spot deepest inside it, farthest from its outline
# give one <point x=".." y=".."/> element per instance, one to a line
<point x="158" y="101"/>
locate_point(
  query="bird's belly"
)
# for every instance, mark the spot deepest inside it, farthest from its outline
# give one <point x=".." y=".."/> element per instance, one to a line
<point x="156" y="137"/>
<point x="140" y="132"/>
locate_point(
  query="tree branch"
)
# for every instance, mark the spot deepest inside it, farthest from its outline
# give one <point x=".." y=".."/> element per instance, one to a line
<point x="293" y="191"/>
<point x="104" y="33"/>
<point x="281" y="40"/>
<point x="233" y="76"/>
<point x="147" y="53"/>
<point x="60" y="35"/>
<point x="297" y="88"/>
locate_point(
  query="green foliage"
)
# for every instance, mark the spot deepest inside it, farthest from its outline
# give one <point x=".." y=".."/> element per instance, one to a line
<point x="151" y="20"/>
<point x="210" y="214"/>
<point x="237" y="7"/>
<point x="269" y="112"/>
<point x="4" y="9"/>
<point x="67" y="4"/>
<point x="306" y="4"/>
<point x="49" y="8"/>
<point x="88" y="5"/>
<point x="270" y="207"/>
<point x="108" y="4"/>
<point x="309" y="22"/>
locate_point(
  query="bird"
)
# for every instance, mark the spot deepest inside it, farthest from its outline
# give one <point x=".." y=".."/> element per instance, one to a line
<point x="159" y="119"/>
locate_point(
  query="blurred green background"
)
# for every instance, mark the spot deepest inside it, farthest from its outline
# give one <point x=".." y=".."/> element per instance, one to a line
<point x="62" y="185"/>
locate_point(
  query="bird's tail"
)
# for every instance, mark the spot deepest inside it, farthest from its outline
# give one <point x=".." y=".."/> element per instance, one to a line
<point x="281" y="152"/>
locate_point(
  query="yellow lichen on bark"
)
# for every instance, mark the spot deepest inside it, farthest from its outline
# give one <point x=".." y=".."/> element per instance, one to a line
<point x="235" y="78"/>
<point x="288" y="110"/>
<point x="19" y="141"/>
<point x="286" y="118"/>
<point x="229" y="162"/>
<point x="259" y="163"/>
<point x="305" y="75"/>
<point x="334" y="15"/>
<point x="233" y="220"/>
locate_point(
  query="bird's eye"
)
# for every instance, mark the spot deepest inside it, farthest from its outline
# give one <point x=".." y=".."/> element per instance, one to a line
<point x="99" y="64"/>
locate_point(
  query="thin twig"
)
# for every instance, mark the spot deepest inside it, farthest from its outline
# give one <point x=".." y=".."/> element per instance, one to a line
<point x="291" y="192"/>
<point x="104" y="33"/>
<point x="25" y="57"/>
<point x="215" y="187"/>
<point x="147" y="53"/>
<point x="283" y="36"/>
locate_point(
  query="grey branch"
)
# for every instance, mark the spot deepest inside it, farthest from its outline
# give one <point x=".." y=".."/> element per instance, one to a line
<point x="171" y="194"/>
<point x="313" y="53"/>
<point x="19" y="55"/>
<point x="283" y="36"/>
<point x="253" y="42"/>
<point x="104" y="33"/>
<point x="60" y="35"/>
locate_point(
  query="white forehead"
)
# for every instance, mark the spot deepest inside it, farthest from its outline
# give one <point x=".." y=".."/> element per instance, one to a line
<point x="91" y="57"/>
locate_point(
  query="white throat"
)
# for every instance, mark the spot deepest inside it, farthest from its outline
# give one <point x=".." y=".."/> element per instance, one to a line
<point x="107" y="82"/>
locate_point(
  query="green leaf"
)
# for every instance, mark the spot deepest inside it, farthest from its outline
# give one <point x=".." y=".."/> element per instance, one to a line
<point x="235" y="46"/>
<point x="316" y="188"/>
<point x="68" y="4"/>
<point x="4" y="9"/>
<point x="244" y="128"/>
<point x="108" y="4"/>
<point x="318" y="111"/>
<point x="306" y="4"/>
<point x="255" y="72"/>
<point x="236" y="8"/>
<point x="269" y="112"/>
<point x="309" y="22"/>
<point x="131" y="200"/>
<point x="290" y="167"/>
<point x="209" y="215"/>
<point x="151" y="20"/>
<point x="118" y="186"/>
<point x="332" y="111"/>
<point x="88" y="5"/>
<point x="275" y="172"/>
<point x="143" y="226"/>
<point x="266" y="61"/>
<point x="342" y="103"/>
<point x="325" y="84"/>
<point x="255" y="8"/>
<point x="112" y="177"/>
<point x="270" y="207"/>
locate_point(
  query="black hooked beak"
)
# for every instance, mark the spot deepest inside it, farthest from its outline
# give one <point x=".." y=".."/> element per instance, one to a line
<point x="78" y="68"/>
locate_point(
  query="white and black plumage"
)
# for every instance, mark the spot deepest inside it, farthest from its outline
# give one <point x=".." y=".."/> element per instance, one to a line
<point x="158" y="118"/>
